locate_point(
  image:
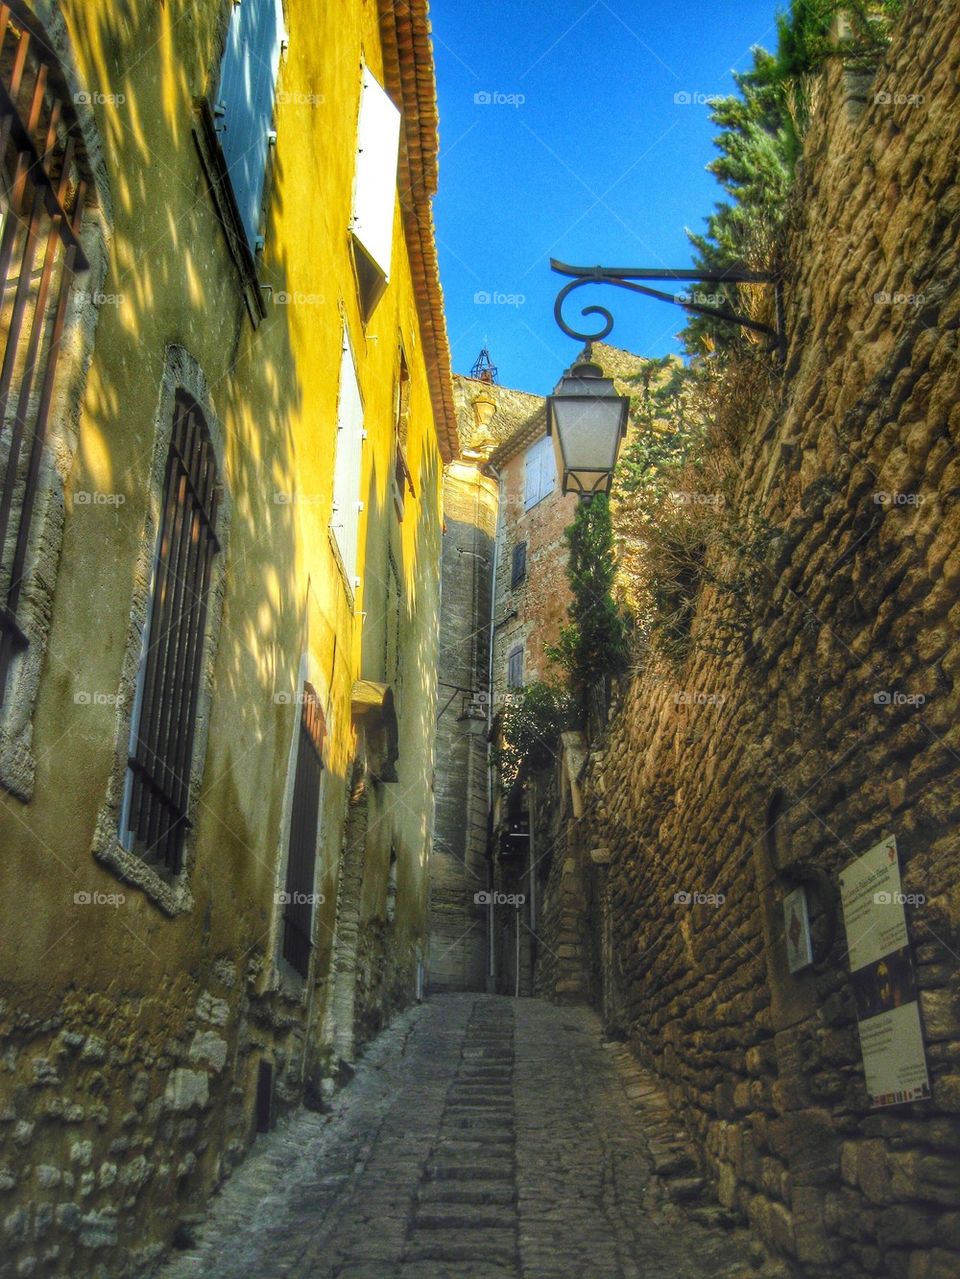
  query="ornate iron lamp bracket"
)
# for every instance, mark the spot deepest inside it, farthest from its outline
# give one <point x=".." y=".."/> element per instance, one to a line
<point x="625" y="277"/>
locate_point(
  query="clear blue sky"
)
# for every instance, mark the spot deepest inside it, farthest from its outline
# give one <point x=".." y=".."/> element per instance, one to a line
<point x="583" y="155"/>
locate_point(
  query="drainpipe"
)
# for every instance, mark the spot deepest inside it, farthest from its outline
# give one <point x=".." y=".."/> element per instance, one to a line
<point x="491" y="953"/>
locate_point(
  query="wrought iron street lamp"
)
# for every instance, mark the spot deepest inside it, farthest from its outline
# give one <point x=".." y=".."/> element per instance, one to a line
<point x="587" y="421"/>
<point x="626" y="277"/>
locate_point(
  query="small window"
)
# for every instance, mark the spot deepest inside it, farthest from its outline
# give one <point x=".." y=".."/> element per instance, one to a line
<point x="374" y="192"/>
<point x="515" y="668"/>
<point x="402" y="479"/>
<point x="519" y="570"/>
<point x="539" y="472"/>
<point x="244" y="109"/>
<point x="154" y="821"/>
<point x="300" y="894"/>
<point x="344" y="522"/>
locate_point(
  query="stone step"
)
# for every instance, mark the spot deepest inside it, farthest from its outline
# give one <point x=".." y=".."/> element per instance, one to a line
<point x="490" y="1245"/>
<point x="683" y="1189"/>
<point x="470" y="1192"/>
<point x="419" y="1269"/>
<point x="469" y="1169"/>
<point x="491" y="1121"/>
<point x="444" y="1216"/>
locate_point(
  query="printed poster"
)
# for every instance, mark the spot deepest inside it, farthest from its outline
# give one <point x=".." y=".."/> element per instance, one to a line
<point x="882" y="977"/>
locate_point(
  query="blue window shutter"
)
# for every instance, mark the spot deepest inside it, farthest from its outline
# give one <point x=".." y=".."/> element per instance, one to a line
<point x="248" y="82"/>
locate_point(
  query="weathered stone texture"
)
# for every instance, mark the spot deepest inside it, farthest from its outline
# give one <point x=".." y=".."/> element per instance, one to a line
<point x="860" y="599"/>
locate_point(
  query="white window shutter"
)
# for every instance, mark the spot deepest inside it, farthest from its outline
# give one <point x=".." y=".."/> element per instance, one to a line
<point x="548" y="466"/>
<point x="347" y="462"/>
<point x="375" y="189"/>
<point x="531" y="479"/>
<point x="248" y="82"/>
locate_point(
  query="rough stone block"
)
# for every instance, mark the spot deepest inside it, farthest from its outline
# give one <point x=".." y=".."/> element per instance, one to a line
<point x="186" y="1089"/>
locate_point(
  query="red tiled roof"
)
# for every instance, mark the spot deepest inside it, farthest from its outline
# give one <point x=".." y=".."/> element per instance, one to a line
<point x="408" y="67"/>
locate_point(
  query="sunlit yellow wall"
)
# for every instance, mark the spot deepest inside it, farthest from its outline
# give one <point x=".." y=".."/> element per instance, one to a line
<point x="132" y="973"/>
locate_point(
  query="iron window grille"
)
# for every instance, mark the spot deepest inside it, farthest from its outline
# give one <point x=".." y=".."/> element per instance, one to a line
<point x="44" y="189"/>
<point x="302" y="857"/>
<point x="519" y="568"/>
<point x="161" y="755"/>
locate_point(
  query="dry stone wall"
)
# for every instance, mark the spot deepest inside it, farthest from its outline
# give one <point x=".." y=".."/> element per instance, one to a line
<point x="836" y="726"/>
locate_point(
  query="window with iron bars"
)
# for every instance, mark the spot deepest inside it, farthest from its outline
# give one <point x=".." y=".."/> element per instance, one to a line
<point x="299" y="897"/>
<point x="154" y="822"/>
<point x="44" y="188"/>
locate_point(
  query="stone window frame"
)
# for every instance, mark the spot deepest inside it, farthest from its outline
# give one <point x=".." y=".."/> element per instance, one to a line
<point x="35" y="612"/>
<point x="170" y="892"/>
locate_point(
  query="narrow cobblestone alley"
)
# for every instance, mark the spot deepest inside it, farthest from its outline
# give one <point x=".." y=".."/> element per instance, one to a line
<point x="482" y="1137"/>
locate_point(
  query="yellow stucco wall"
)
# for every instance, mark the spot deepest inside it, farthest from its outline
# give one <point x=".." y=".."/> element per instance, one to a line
<point x="129" y="975"/>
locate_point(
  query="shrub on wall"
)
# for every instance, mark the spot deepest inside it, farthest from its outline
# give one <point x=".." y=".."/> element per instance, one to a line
<point x="530" y="726"/>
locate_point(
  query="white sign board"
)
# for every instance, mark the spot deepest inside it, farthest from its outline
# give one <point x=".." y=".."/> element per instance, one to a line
<point x="882" y="976"/>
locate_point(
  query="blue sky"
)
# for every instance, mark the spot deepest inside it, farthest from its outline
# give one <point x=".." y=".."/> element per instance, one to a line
<point x="560" y="136"/>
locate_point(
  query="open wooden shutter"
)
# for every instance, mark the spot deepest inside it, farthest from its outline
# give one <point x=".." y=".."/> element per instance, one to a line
<point x="248" y="82"/>
<point x="375" y="189"/>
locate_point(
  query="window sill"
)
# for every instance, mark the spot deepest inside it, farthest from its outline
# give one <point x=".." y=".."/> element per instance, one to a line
<point x="172" y="896"/>
<point x="214" y="166"/>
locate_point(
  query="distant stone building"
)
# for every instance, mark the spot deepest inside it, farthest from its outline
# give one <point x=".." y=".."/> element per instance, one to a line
<point x="504" y="597"/>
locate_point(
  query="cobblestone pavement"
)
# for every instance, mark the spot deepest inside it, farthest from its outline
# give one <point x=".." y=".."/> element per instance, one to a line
<point x="484" y="1138"/>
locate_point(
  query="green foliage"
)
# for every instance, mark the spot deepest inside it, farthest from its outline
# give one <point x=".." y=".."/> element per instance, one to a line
<point x="666" y="428"/>
<point x="761" y="139"/>
<point x="532" y="720"/>
<point x="593" y="644"/>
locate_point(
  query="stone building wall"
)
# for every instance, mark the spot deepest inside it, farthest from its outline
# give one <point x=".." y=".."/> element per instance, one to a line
<point x="459" y="863"/>
<point x="718" y="775"/>
<point x="531" y="613"/>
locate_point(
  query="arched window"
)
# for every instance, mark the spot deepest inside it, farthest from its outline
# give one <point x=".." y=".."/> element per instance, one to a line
<point x="44" y="186"/>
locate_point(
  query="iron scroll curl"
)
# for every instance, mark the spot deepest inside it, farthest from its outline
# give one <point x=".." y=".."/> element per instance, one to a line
<point x="627" y="277"/>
